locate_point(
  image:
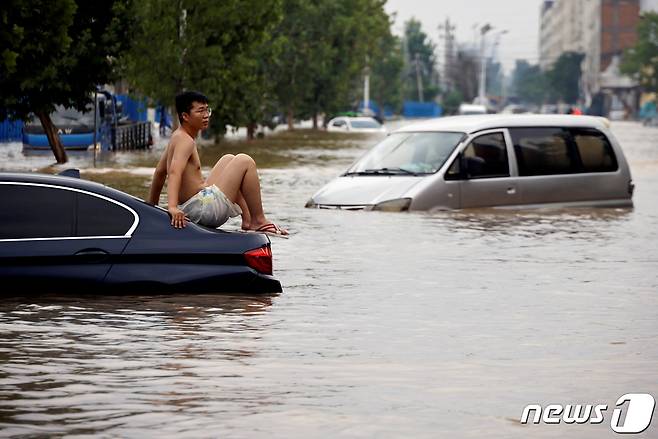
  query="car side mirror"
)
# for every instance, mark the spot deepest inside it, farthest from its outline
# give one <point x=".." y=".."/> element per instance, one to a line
<point x="471" y="166"/>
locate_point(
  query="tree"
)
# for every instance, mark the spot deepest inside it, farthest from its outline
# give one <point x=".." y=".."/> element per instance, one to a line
<point x="387" y="67"/>
<point x="464" y="74"/>
<point x="421" y="63"/>
<point x="529" y="83"/>
<point x="218" y="48"/>
<point x="642" y="58"/>
<point x="357" y="34"/>
<point x="55" y="53"/>
<point x="564" y="77"/>
<point x="322" y="61"/>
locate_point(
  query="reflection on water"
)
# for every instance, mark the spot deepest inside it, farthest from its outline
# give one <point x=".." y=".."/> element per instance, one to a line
<point x="393" y="325"/>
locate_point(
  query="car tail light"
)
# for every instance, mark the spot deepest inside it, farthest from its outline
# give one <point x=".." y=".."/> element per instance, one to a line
<point x="260" y="259"/>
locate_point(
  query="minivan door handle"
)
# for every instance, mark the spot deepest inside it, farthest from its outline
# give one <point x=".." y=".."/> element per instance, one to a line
<point x="511" y="190"/>
<point x="92" y="255"/>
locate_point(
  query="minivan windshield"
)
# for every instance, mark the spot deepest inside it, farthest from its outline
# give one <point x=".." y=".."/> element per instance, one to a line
<point x="408" y="153"/>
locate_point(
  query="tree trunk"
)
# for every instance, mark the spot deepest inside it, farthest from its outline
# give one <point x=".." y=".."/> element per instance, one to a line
<point x="251" y="129"/>
<point x="315" y="119"/>
<point x="290" y="120"/>
<point x="53" y="138"/>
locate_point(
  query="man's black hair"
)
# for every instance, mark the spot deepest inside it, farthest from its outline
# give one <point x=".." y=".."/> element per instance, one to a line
<point x="185" y="100"/>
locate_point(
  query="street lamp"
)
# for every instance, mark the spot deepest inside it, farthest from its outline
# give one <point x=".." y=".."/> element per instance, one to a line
<point x="483" y="65"/>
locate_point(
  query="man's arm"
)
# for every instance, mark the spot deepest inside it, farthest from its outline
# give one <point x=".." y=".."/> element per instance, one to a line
<point x="159" y="176"/>
<point x="180" y="156"/>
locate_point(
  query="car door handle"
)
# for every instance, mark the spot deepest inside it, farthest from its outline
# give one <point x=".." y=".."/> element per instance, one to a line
<point x="511" y="190"/>
<point x="93" y="254"/>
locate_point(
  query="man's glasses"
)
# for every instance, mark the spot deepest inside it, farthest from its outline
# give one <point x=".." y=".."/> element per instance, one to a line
<point x="206" y="110"/>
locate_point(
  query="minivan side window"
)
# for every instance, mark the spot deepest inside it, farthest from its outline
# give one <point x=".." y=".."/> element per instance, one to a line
<point x="595" y="151"/>
<point x="99" y="217"/>
<point x="339" y="123"/>
<point x="487" y="156"/>
<point x="544" y="151"/>
<point x="36" y="212"/>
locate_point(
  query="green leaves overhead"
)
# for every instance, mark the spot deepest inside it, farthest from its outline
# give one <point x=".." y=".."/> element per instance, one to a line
<point x="642" y="59"/>
<point x="55" y="52"/>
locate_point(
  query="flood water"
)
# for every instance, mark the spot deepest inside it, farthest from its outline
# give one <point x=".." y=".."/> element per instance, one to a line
<point x="390" y="325"/>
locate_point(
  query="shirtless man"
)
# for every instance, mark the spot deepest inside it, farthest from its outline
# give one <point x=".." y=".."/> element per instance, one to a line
<point x="232" y="187"/>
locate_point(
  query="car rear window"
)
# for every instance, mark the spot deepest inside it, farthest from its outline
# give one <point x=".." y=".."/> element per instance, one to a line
<point x="595" y="151"/>
<point x="36" y="212"/>
<point x="544" y="151"/>
<point x="99" y="217"/>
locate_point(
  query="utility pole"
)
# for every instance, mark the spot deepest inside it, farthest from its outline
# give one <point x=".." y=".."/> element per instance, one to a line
<point x="366" y="90"/>
<point x="449" y="38"/>
<point x="482" y="94"/>
<point x="419" y="81"/>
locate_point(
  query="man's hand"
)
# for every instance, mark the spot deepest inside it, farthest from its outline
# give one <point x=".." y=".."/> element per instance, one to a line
<point x="178" y="218"/>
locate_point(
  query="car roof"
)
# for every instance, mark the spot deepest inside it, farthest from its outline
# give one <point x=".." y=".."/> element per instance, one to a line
<point x="351" y="118"/>
<point x="474" y="123"/>
<point x="71" y="182"/>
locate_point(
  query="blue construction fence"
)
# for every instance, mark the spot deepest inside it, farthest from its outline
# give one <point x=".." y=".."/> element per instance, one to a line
<point x="11" y="131"/>
<point x="421" y="109"/>
<point x="136" y="110"/>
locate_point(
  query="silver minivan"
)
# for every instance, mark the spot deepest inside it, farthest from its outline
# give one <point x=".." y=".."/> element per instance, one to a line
<point x="487" y="161"/>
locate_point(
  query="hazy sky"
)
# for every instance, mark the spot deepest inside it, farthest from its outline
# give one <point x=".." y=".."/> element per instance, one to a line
<point x="519" y="17"/>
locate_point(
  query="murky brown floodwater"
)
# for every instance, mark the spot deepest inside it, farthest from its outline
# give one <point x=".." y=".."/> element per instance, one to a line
<point x="390" y="325"/>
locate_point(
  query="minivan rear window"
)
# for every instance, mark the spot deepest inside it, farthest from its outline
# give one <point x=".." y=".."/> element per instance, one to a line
<point x="543" y="151"/>
<point x="549" y="151"/>
<point x="595" y="151"/>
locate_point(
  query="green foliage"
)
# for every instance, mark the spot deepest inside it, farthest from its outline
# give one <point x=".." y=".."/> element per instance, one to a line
<point x="560" y="83"/>
<point x="451" y="102"/>
<point x="218" y="48"/>
<point x="326" y="47"/>
<point x="419" y="47"/>
<point x="55" y="52"/>
<point x="529" y="83"/>
<point x="564" y="77"/>
<point x="387" y="67"/>
<point x="642" y="58"/>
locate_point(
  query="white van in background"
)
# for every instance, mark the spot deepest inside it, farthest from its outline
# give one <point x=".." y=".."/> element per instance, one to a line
<point x="468" y="109"/>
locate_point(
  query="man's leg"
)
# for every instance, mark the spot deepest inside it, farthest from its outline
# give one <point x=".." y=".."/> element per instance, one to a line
<point x="240" y="176"/>
<point x="213" y="177"/>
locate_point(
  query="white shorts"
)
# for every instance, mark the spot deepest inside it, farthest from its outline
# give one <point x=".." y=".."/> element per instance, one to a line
<point x="210" y="207"/>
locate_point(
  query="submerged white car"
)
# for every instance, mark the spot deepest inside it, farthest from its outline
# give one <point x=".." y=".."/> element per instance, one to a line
<point x="484" y="161"/>
<point x="347" y="124"/>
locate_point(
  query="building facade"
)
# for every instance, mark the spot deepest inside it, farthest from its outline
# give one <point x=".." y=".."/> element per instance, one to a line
<point x="561" y="30"/>
<point x="601" y="30"/>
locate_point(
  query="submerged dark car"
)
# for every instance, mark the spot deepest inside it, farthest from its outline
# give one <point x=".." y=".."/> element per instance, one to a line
<point x="60" y="234"/>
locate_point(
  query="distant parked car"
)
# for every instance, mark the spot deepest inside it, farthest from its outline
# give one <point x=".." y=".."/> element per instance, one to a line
<point x="549" y="109"/>
<point x="515" y="109"/>
<point x="471" y="109"/>
<point x="61" y="234"/>
<point x="484" y="161"/>
<point x="361" y="124"/>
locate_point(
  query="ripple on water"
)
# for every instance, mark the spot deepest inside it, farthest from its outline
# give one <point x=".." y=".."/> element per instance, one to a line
<point x="392" y="325"/>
